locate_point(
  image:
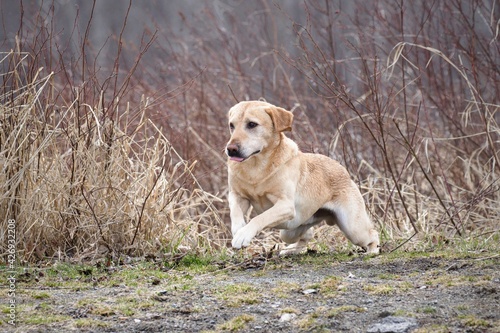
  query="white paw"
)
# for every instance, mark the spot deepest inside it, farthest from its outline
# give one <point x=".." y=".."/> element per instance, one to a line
<point x="235" y="226"/>
<point x="243" y="237"/>
<point x="373" y="249"/>
<point x="293" y="249"/>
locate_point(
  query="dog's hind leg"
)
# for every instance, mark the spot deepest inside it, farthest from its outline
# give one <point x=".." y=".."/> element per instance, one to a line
<point x="353" y="221"/>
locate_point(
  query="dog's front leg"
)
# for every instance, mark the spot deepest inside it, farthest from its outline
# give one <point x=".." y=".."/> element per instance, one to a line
<point x="238" y="207"/>
<point x="282" y="211"/>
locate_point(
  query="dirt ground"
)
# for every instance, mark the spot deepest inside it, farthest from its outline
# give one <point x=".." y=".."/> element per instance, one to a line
<point x="417" y="292"/>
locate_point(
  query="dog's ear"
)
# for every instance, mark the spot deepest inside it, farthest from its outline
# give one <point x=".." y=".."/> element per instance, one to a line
<point x="282" y="119"/>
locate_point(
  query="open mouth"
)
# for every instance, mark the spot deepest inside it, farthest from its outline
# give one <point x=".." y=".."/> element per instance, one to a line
<point x="237" y="159"/>
<point x="240" y="159"/>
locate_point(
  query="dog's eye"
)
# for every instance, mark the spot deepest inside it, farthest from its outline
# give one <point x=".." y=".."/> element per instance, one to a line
<point x="231" y="126"/>
<point x="252" y="125"/>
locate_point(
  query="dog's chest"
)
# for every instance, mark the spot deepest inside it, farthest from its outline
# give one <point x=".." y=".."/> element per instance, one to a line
<point x="258" y="199"/>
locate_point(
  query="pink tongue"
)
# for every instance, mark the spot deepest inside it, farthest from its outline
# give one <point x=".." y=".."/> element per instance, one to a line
<point x="237" y="159"/>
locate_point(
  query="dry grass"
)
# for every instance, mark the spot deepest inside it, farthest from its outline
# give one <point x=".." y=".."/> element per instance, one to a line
<point x="79" y="185"/>
<point x="126" y="157"/>
<point x="419" y="129"/>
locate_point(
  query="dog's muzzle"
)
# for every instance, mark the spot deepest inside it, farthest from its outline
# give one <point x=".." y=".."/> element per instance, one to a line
<point x="234" y="153"/>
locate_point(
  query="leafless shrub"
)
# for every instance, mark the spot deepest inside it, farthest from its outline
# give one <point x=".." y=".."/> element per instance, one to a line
<point x="408" y="123"/>
<point x="86" y="175"/>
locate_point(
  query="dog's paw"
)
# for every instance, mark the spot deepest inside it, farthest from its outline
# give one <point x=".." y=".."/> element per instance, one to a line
<point x="293" y="249"/>
<point x="372" y="248"/>
<point x="236" y="226"/>
<point x="243" y="237"/>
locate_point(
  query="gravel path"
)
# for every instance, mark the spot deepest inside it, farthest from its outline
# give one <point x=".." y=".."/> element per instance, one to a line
<point x="305" y="294"/>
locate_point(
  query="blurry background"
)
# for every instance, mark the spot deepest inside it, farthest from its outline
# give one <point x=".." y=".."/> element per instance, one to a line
<point x="113" y="116"/>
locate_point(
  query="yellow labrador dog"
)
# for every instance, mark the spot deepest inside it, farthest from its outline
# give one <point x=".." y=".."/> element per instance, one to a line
<point x="288" y="189"/>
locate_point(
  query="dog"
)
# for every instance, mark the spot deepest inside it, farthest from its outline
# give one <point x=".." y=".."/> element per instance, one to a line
<point x="288" y="189"/>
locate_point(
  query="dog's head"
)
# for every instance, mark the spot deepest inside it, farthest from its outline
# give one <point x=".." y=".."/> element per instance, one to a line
<point x="255" y="126"/>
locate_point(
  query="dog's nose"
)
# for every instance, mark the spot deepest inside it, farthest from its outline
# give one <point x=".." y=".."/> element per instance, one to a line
<point x="232" y="150"/>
